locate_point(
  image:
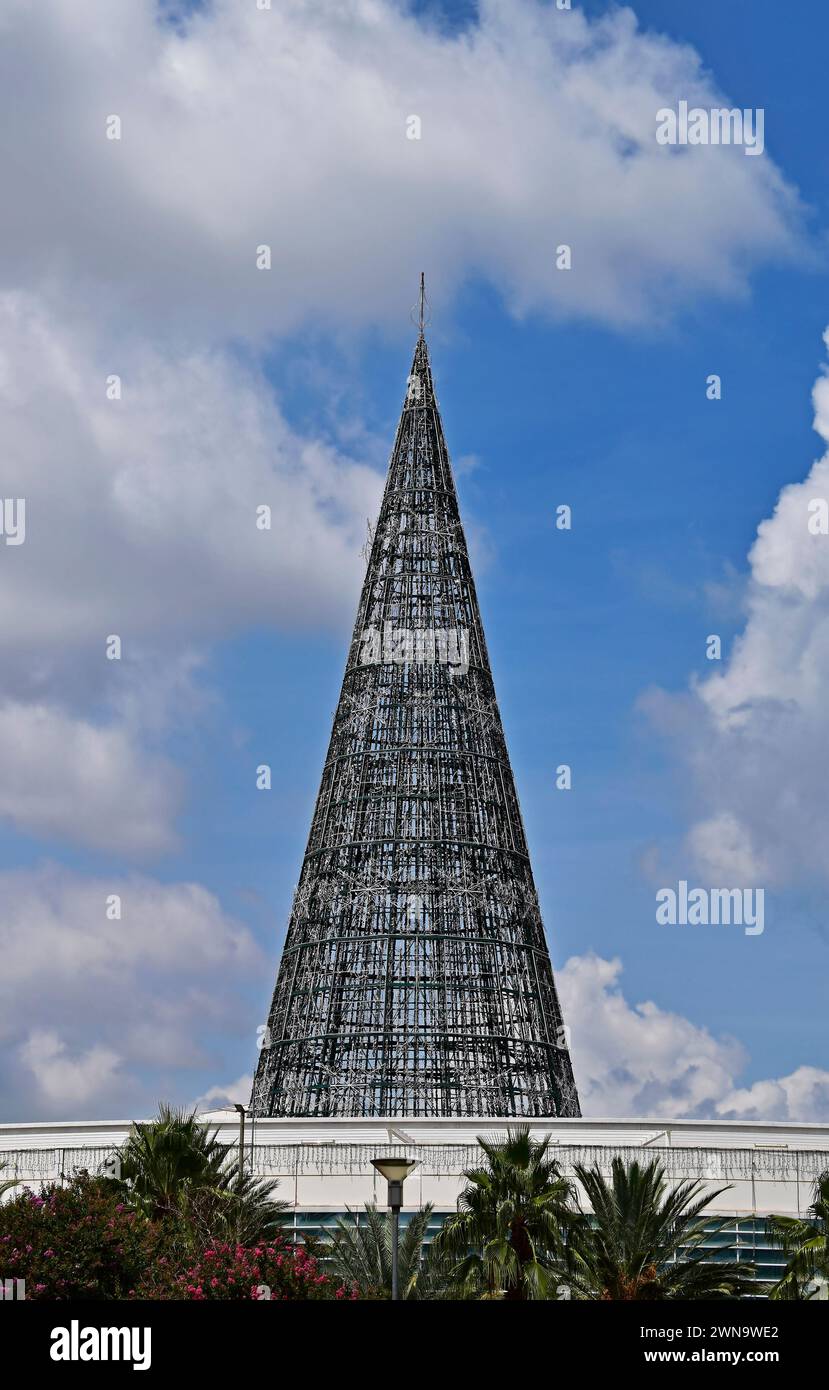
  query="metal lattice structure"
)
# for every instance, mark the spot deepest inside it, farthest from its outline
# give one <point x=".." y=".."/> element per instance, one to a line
<point x="415" y="978"/>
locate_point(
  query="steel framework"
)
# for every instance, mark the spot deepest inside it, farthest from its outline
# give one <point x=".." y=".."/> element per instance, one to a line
<point x="415" y="978"/>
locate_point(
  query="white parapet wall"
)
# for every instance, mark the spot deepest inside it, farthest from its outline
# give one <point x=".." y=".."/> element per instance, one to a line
<point x="324" y="1165"/>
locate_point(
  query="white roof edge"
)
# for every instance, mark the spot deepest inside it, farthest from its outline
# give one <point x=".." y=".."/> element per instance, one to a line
<point x="441" y="1121"/>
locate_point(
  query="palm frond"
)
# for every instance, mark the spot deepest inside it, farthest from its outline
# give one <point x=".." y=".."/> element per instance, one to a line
<point x="805" y="1243"/>
<point x="359" y="1251"/>
<point x="176" y="1166"/>
<point x="644" y="1239"/>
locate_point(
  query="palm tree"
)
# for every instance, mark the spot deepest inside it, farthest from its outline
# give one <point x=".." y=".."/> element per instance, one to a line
<point x="805" y="1243"/>
<point x="644" y="1240"/>
<point x="175" y="1166"/>
<point x="169" y="1156"/>
<point x="359" y="1252"/>
<point x="504" y="1237"/>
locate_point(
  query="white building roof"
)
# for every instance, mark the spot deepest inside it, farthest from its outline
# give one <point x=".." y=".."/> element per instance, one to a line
<point x="610" y="1132"/>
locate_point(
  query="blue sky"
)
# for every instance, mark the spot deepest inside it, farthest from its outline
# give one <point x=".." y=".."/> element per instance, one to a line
<point x="548" y="397"/>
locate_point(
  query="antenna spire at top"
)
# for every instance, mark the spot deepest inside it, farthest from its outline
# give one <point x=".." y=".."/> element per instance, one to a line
<point x="419" y="312"/>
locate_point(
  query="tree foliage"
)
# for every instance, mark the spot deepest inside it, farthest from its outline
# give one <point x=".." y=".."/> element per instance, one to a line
<point x="643" y="1240"/>
<point x="175" y="1167"/>
<point x="360" y="1252"/>
<point x="504" y="1237"/>
<point x="805" y="1243"/>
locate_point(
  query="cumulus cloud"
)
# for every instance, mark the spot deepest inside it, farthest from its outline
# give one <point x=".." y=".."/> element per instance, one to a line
<point x="225" y="1097"/>
<point x="141" y="513"/>
<point x="68" y="779"/>
<point x="639" y="1060"/>
<point x="132" y="1004"/>
<point x="803" y="1095"/>
<point x="66" y="1081"/>
<point x="754" y="734"/>
<point x="243" y="127"/>
<point x="722" y="847"/>
<point x="141" y="522"/>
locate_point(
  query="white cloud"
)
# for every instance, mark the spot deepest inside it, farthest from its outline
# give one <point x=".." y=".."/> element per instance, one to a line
<point x="141" y="514"/>
<point x="141" y="523"/>
<point x="66" y="778"/>
<point x="803" y="1095"/>
<point x="722" y="847"/>
<point x="640" y="1060"/>
<point x="287" y="127"/>
<point x="67" y="1081"/>
<point x="225" y="1097"/>
<point x="131" y="1004"/>
<point x="754" y="735"/>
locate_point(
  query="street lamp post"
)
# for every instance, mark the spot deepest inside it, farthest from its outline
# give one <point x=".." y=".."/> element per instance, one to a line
<point x="395" y="1171"/>
<point x="240" y="1177"/>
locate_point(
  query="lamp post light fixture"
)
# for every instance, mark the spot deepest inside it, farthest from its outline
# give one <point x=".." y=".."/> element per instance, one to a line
<point x="395" y="1171"/>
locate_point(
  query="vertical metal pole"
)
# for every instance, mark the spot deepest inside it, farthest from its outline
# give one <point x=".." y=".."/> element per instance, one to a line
<point x="395" y="1203"/>
<point x="395" y="1242"/>
<point x="240" y="1177"/>
<point x="241" y="1173"/>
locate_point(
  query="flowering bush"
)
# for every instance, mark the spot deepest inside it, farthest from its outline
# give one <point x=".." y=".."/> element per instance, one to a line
<point x="84" y="1241"/>
<point x="76" y="1242"/>
<point x="272" y="1270"/>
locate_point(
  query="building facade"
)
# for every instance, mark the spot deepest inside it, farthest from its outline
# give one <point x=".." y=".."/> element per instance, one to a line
<point x="324" y="1169"/>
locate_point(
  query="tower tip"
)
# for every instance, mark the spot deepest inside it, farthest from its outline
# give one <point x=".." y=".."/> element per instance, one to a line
<point x="419" y="312"/>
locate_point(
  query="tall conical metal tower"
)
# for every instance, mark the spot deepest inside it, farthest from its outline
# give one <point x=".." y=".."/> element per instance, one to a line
<point x="415" y="978"/>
